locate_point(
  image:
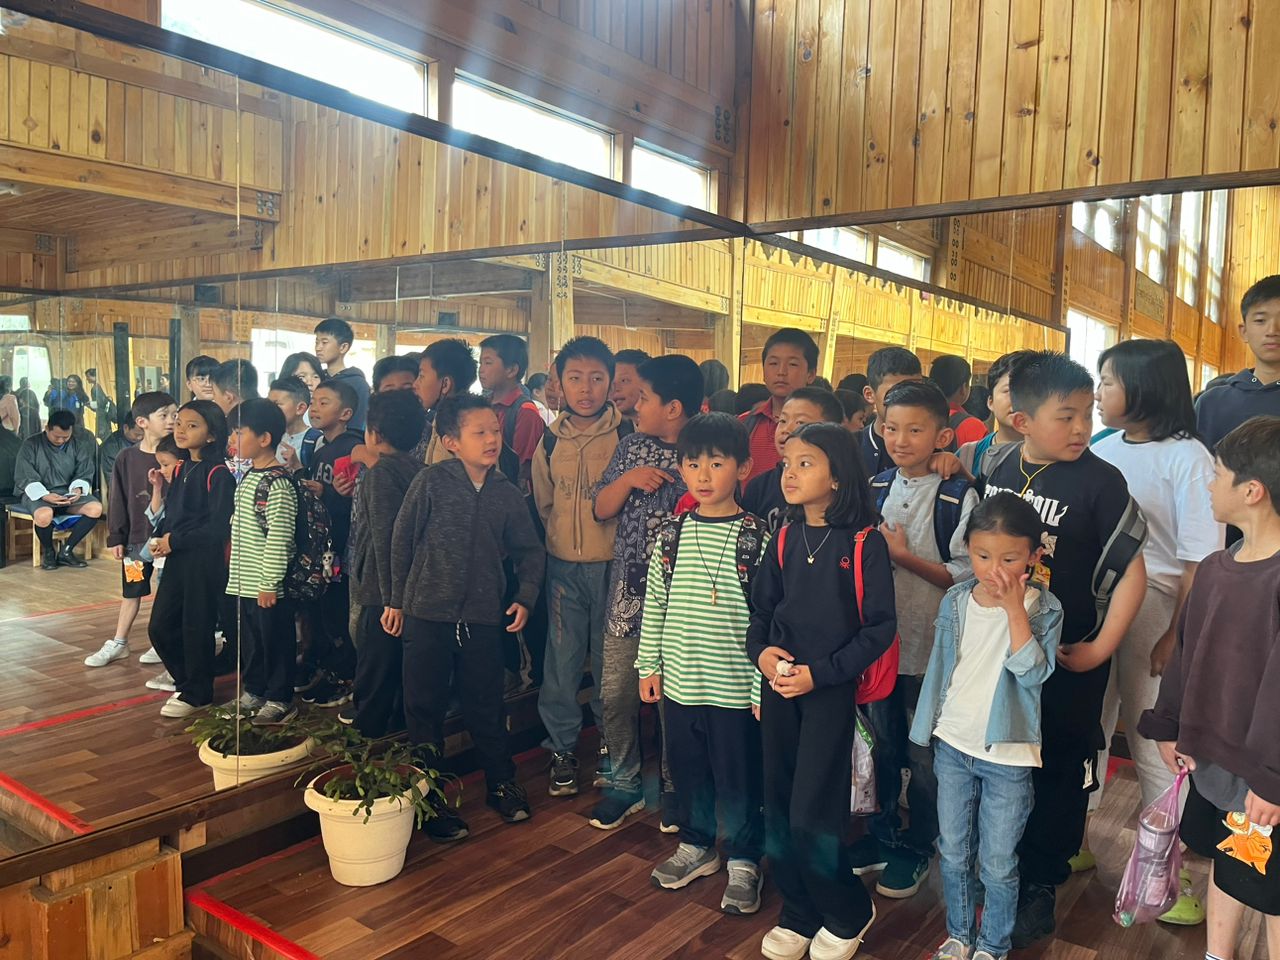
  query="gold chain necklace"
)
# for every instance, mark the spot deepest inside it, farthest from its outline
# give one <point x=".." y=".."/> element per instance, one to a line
<point x="1022" y="468"/>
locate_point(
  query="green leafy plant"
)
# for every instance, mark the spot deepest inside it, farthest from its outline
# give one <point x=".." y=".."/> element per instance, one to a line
<point x="230" y="732"/>
<point x="366" y="769"/>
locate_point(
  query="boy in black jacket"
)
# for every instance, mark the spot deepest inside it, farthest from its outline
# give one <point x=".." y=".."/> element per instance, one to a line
<point x="458" y="521"/>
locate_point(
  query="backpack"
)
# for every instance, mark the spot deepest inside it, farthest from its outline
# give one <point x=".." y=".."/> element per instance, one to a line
<point x="747" y="553"/>
<point x="307" y="449"/>
<point x="947" y="507"/>
<point x="549" y="438"/>
<point x="508" y="459"/>
<point x="879" y="679"/>
<point x="307" y="574"/>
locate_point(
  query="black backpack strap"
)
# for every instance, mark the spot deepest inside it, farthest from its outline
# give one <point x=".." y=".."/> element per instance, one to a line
<point x="881" y="483"/>
<point x="263" y="491"/>
<point x="957" y="418"/>
<point x="750" y="551"/>
<point x="948" y="508"/>
<point x="668" y="545"/>
<point x="549" y="444"/>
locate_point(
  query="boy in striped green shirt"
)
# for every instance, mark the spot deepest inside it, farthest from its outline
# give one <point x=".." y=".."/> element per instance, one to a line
<point x="693" y="658"/>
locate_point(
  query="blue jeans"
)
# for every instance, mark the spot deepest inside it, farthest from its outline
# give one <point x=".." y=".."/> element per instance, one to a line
<point x="981" y="805"/>
<point x="576" y="597"/>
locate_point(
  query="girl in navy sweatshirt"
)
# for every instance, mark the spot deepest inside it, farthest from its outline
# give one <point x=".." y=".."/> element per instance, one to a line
<point x="811" y="645"/>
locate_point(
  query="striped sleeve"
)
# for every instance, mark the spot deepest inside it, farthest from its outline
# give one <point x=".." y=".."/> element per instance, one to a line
<point x="653" y="621"/>
<point x="282" y="515"/>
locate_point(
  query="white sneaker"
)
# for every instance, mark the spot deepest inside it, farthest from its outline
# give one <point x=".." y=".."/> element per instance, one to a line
<point x="219" y="641"/>
<point x="827" y="946"/>
<point x="110" y="651"/>
<point x="177" y="708"/>
<point x="246" y="704"/>
<point x="150" y="656"/>
<point x="162" y="681"/>
<point x="783" y="944"/>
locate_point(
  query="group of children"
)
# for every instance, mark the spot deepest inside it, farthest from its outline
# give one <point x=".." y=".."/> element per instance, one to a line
<point x="991" y="603"/>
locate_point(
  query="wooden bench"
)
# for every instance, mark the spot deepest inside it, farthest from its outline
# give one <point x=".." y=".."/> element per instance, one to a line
<point x="16" y="513"/>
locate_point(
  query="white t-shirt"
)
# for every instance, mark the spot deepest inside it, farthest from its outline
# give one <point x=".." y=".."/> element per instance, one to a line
<point x="1170" y="481"/>
<point x="966" y="710"/>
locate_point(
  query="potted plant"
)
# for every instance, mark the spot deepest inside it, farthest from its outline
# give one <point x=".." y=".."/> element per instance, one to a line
<point x="369" y="796"/>
<point x="237" y="751"/>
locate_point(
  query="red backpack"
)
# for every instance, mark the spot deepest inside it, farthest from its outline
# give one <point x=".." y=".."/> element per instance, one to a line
<point x="877" y="681"/>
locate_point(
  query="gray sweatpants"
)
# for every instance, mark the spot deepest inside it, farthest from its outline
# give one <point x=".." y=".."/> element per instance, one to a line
<point x="620" y="697"/>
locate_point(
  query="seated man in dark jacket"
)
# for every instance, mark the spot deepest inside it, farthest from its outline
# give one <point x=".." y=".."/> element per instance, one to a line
<point x="54" y="477"/>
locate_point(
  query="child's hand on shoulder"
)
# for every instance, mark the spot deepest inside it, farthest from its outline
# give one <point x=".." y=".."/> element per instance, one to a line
<point x="947" y="465"/>
<point x="895" y="537"/>
<point x="519" y="614"/>
<point x="651" y="688"/>
<point x="648" y="479"/>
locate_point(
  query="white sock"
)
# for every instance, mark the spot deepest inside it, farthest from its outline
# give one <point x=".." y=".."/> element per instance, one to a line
<point x="1211" y="956"/>
<point x="120" y="640"/>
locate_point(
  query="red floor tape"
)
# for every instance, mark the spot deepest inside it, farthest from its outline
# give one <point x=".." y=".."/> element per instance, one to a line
<point x="44" y="804"/>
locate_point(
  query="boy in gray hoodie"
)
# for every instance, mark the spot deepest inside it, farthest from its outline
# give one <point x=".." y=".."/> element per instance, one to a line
<point x="458" y="521"/>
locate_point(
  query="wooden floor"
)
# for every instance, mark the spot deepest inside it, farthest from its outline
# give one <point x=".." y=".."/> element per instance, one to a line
<point x="557" y="887"/>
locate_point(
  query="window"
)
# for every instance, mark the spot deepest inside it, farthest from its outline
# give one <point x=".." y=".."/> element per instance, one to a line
<point x="1191" y="370"/>
<point x="501" y="116"/>
<point x="1207" y="372"/>
<point x="1089" y="337"/>
<point x="31" y="363"/>
<point x="14" y="323"/>
<point x="1100" y="221"/>
<point x="1190" y="242"/>
<point x="900" y="260"/>
<point x="1217" y="258"/>
<point x="1153" y="235"/>
<point x="672" y="177"/>
<point x="847" y="242"/>
<point x="303" y="46"/>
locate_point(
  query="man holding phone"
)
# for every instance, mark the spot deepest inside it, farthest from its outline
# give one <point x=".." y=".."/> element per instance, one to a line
<point x="54" y="477"/>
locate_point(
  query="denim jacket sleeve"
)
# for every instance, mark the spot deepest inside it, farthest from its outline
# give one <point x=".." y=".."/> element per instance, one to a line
<point x="1032" y="664"/>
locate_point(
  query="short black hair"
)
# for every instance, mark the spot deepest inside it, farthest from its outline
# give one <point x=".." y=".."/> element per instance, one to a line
<point x="822" y="383"/>
<point x="724" y="401"/>
<point x="715" y="377"/>
<point x="826" y="402"/>
<point x="237" y="376"/>
<point x="749" y="394"/>
<point x="454" y="408"/>
<point x="852" y="505"/>
<point x="853" y="401"/>
<point x="891" y="362"/>
<point x="1252" y="452"/>
<point x="1004" y="365"/>
<point x="924" y="394"/>
<point x="389" y="365"/>
<point x="587" y="348"/>
<point x="337" y="328"/>
<point x="951" y="373"/>
<point x="631" y="356"/>
<point x="61" y="419"/>
<point x="261" y="417"/>
<point x="347" y="396"/>
<point x="536" y="381"/>
<point x="294" y="387"/>
<point x="201" y="366"/>
<point x="712" y="433"/>
<point x="216" y="420"/>
<point x="1157" y="391"/>
<point x="145" y="404"/>
<point x="1043" y="374"/>
<point x="795" y="337"/>
<point x="513" y="351"/>
<point x="1006" y="513"/>
<point x="170" y="446"/>
<point x="398" y="418"/>
<point x="452" y="358"/>
<point x="1268" y="288"/>
<point x="91" y="372"/>
<point x="673" y="376"/>
<point x="853" y="381"/>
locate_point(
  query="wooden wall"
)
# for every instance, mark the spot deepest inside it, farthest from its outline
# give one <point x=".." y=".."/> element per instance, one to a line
<point x="1253" y="253"/>
<point x="860" y="106"/>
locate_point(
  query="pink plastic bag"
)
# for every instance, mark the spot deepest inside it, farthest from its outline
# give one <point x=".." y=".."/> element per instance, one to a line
<point x="1150" y="884"/>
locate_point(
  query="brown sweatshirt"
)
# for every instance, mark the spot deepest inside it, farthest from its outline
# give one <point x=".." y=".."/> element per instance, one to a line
<point x="1220" y="693"/>
<point x="127" y="523"/>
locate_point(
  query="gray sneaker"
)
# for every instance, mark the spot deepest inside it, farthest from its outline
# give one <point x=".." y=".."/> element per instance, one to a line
<point x="983" y="955"/>
<point x="686" y="865"/>
<point x="742" y="892"/>
<point x="162" y="681"/>
<point x="274" y="713"/>
<point x="247" y="703"/>
<point x="953" y="949"/>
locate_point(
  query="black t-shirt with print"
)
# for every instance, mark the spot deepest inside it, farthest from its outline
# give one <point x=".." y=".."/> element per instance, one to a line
<point x="763" y="497"/>
<point x="1081" y="502"/>
<point x="339" y="507"/>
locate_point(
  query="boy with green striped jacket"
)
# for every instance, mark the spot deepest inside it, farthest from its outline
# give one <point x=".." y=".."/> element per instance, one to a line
<point x="692" y="657"/>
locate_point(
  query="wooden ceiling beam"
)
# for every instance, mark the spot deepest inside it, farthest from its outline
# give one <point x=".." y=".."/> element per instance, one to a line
<point x="591" y="272"/>
<point x="201" y="238"/>
<point x="435" y="281"/>
<point x="27" y="241"/>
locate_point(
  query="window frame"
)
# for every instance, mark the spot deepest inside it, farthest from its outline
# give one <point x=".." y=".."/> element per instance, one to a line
<point x="1190" y="258"/>
<point x="1089" y="211"/>
<point x="1153" y="238"/>
<point x="708" y="174"/>
<point x="1215" y="260"/>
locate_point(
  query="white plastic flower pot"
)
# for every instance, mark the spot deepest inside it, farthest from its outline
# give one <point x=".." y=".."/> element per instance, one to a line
<point x="361" y="853"/>
<point x="229" y="770"/>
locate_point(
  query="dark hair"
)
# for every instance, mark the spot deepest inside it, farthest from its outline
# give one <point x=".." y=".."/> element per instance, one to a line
<point x="977" y="404"/>
<point x="952" y="374"/>
<point x="61" y="419"/>
<point x="389" y="365"/>
<point x="261" y="417"/>
<point x="452" y="410"/>
<point x="237" y="376"/>
<point x="452" y="358"/>
<point x="723" y="401"/>
<point x="1006" y="513"/>
<point x="822" y="383"/>
<point x="924" y="394"/>
<point x="673" y="376"/>
<point x="216" y="421"/>
<point x="826" y="401"/>
<point x="294" y="360"/>
<point x="852" y="505"/>
<point x="853" y="401"/>
<point x="715" y="377"/>
<point x="6" y="386"/>
<point x="145" y="404"/>
<point x="201" y="366"/>
<point x="511" y="350"/>
<point x="1004" y="365"/>
<point x="348" y="399"/>
<point x="1268" y="288"/>
<point x="891" y="362"/>
<point x="712" y="433"/>
<point x="1252" y="452"/>
<point x="587" y="348"/>
<point x="749" y="394"/>
<point x="854" y="382"/>
<point x="631" y="356"/>
<point x="536" y="381"/>
<point x="398" y="418"/>
<point x="1157" y="392"/>
<point x="794" y="337"/>
<point x="91" y="372"/>
<point x="170" y="446"/>
<point x="294" y="387"/>
<point x="337" y="328"/>
<point x="1043" y="374"/>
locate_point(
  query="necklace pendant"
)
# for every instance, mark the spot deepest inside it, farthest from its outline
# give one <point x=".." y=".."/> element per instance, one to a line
<point x="810" y="558"/>
<point x="713" y="596"/>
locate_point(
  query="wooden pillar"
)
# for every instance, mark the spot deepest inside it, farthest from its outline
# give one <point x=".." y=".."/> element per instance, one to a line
<point x="440" y="77"/>
<point x="1062" y="236"/>
<point x="384" y="340"/>
<point x="827" y="356"/>
<point x="1129" y="232"/>
<point x="551" y="311"/>
<point x="727" y="334"/>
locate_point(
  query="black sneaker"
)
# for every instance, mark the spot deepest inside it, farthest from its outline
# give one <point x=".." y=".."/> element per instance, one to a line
<point x="669" y="821"/>
<point x="902" y="876"/>
<point x="1035" y="921"/>
<point x="48" y="558"/>
<point x="347" y="715"/>
<point x="68" y="558"/>
<point x="867" y="856"/>
<point x="305" y="678"/>
<point x="614" y="807"/>
<point x="563" y="778"/>
<point x="446" y="826"/>
<point x="604" y="768"/>
<point x="511" y="802"/>
<point x="329" y="692"/>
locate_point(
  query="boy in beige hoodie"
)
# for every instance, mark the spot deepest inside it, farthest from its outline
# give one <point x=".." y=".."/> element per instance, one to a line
<point x="566" y="468"/>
